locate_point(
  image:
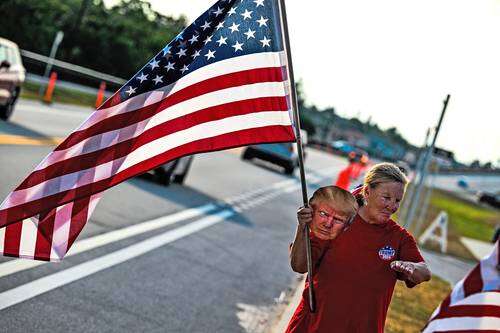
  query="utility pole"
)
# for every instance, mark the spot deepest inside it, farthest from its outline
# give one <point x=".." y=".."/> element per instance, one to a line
<point x="425" y="166"/>
<point x="55" y="45"/>
<point x="411" y="190"/>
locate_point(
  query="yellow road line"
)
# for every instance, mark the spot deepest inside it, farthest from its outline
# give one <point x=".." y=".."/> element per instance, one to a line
<point x="26" y="140"/>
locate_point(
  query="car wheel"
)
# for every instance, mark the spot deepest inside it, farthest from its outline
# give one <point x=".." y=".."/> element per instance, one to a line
<point x="289" y="168"/>
<point x="247" y="155"/>
<point x="163" y="177"/>
<point x="179" y="179"/>
<point x="6" y="110"/>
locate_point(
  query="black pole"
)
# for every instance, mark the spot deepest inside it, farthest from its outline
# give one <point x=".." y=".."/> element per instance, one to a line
<point x="295" y="108"/>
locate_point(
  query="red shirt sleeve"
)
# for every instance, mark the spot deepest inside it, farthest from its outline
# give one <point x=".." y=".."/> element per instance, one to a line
<point x="408" y="251"/>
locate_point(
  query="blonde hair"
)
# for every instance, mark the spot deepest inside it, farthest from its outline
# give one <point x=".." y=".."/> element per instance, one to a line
<point x="341" y="199"/>
<point x="384" y="173"/>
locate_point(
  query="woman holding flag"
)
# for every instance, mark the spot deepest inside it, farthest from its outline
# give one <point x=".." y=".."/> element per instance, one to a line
<point x="356" y="270"/>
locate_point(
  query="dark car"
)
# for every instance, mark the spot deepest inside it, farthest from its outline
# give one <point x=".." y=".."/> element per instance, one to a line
<point x="174" y="171"/>
<point x="492" y="199"/>
<point x="282" y="154"/>
<point x="12" y="74"/>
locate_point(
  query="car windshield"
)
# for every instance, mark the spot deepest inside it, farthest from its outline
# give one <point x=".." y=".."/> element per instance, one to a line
<point x="3" y="53"/>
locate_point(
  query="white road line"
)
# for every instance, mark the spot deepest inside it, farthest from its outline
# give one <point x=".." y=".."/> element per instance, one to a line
<point x="241" y="202"/>
<point x="17" y="265"/>
<point x="37" y="287"/>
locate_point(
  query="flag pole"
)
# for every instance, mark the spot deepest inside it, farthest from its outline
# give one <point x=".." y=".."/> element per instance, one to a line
<point x="295" y="108"/>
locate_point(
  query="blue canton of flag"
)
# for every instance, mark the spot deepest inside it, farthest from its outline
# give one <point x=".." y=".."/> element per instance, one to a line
<point x="227" y="29"/>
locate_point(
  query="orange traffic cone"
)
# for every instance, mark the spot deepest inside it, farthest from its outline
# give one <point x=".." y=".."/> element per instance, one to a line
<point x="100" y="94"/>
<point x="50" y="88"/>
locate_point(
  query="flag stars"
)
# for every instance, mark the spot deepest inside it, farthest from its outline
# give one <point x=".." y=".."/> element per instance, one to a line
<point x="238" y="46"/>
<point x="218" y="11"/>
<point x="222" y="40"/>
<point x="193" y="39"/>
<point x="262" y="21"/>
<point x="206" y="25"/>
<point x="265" y="42"/>
<point x="130" y="90"/>
<point x="208" y="40"/>
<point x="158" y="79"/>
<point x="182" y="44"/>
<point x="234" y="27"/>
<point x="142" y="77"/>
<point x="181" y="53"/>
<point x="185" y="68"/>
<point x="210" y="54"/>
<point x="247" y="14"/>
<point x="259" y="3"/>
<point x="154" y="64"/>
<point x="170" y="66"/>
<point x="195" y="54"/>
<point x="220" y="25"/>
<point x="250" y="33"/>
<point x="166" y="51"/>
<point x="231" y="11"/>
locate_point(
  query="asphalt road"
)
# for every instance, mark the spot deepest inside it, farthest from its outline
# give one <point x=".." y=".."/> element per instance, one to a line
<point x="210" y="256"/>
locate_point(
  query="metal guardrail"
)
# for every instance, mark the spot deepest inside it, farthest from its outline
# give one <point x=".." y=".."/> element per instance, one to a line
<point x="74" y="68"/>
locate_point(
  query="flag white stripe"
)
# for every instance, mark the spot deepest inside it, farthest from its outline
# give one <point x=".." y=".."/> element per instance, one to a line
<point x="458" y="292"/>
<point x="2" y="239"/>
<point x="28" y="238"/>
<point x="484" y="298"/>
<point x="149" y="150"/>
<point x="463" y="323"/>
<point x="489" y="271"/>
<point x="241" y="63"/>
<point x="257" y="90"/>
<point x="60" y="234"/>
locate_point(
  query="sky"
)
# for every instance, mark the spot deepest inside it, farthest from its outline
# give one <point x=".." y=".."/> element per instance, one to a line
<point x="395" y="61"/>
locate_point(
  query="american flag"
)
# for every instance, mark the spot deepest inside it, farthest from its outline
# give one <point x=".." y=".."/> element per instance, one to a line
<point x="474" y="303"/>
<point x="221" y="83"/>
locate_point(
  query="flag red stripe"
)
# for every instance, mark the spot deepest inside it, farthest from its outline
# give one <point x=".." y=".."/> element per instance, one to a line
<point x="89" y="160"/>
<point x="79" y="216"/>
<point x="12" y="239"/>
<point x="269" y="74"/>
<point x="44" y="236"/>
<point x="470" y="311"/>
<point x="473" y="282"/>
<point x="264" y="134"/>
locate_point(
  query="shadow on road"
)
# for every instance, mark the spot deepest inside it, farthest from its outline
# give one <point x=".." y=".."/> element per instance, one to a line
<point x="184" y="196"/>
<point x="16" y="129"/>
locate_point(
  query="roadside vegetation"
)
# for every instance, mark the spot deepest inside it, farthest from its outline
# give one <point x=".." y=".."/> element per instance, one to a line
<point x="29" y="90"/>
<point x="410" y="309"/>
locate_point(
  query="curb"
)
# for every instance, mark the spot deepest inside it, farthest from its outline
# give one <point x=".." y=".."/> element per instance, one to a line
<point x="290" y="308"/>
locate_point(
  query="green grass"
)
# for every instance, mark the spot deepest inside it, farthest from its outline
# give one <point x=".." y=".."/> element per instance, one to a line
<point x="411" y="308"/>
<point x="470" y="220"/>
<point x="29" y="90"/>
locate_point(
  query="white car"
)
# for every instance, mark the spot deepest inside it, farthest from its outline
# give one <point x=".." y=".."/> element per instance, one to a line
<point x="12" y="74"/>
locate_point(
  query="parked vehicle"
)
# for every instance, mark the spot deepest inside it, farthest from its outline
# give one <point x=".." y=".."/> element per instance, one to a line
<point x="492" y="199"/>
<point x="174" y="171"/>
<point x="282" y="154"/>
<point x="12" y="74"/>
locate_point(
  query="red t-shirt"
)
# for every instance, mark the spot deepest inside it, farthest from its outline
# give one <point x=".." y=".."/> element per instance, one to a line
<point x="353" y="280"/>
